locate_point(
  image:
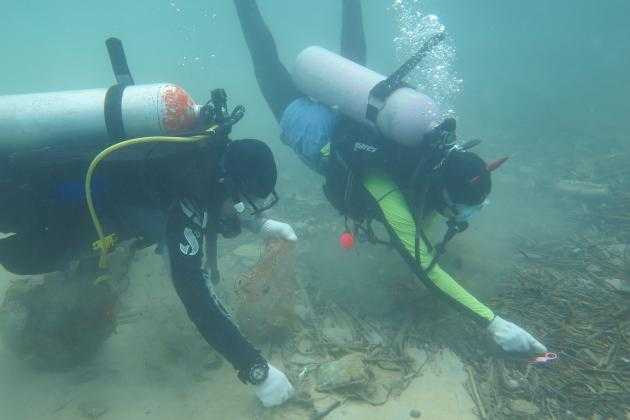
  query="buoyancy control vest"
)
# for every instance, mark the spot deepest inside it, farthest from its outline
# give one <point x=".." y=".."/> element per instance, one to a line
<point x="415" y="169"/>
<point x="354" y="148"/>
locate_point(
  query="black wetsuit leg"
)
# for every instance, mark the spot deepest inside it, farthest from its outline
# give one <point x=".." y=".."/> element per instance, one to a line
<point x="352" y="35"/>
<point x="273" y="78"/>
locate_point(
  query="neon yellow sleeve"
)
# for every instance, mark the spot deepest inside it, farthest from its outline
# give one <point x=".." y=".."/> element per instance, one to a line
<point x="397" y="214"/>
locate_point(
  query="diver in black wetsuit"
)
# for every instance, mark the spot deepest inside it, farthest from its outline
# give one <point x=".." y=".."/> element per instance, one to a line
<point x="405" y="195"/>
<point x="180" y="200"/>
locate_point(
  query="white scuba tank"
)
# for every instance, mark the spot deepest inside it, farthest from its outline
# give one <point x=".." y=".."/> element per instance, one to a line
<point x="95" y="116"/>
<point x="345" y="85"/>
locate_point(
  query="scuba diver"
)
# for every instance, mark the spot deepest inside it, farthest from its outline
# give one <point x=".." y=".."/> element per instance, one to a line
<point x="381" y="156"/>
<point x="182" y="192"/>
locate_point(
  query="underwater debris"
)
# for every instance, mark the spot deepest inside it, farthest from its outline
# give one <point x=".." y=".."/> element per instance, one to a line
<point x="349" y="371"/>
<point x="337" y="334"/>
<point x="60" y="319"/>
<point x="611" y="212"/>
<point x="355" y="368"/>
<point x="249" y="251"/>
<point x="582" y="189"/>
<point x="268" y="294"/>
<point x="576" y="314"/>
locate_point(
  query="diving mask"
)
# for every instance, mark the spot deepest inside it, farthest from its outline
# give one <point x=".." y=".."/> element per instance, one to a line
<point x="462" y="212"/>
<point x="259" y="205"/>
<point x="240" y="198"/>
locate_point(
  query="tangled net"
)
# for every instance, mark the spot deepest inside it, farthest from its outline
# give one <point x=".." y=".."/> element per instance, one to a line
<point x="59" y="320"/>
<point x="268" y="293"/>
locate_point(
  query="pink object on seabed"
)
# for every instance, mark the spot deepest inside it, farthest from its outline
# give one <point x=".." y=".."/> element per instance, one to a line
<point x="543" y="359"/>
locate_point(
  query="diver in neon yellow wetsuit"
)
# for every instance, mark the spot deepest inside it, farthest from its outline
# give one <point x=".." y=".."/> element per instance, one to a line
<point x="392" y="188"/>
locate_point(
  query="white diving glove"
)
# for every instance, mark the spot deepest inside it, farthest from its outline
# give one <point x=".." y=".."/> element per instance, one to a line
<point x="513" y="338"/>
<point x="274" y="229"/>
<point x="276" y="389"/>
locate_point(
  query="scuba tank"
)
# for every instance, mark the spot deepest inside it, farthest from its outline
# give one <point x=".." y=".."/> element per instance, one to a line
<point x="385" y="103"/>
<point x="94" y="116"/>
<point x="56" y="126"/>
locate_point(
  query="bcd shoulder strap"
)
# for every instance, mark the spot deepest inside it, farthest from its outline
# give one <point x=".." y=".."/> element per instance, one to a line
<point x="354" y="149"/>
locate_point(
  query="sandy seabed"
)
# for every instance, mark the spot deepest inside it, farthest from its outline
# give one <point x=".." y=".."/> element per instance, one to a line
<point x="134" y="377"/>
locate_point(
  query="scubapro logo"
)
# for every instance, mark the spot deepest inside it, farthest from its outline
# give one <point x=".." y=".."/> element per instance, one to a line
<point x="364" y="147"/>
<point x="192" y="247"/>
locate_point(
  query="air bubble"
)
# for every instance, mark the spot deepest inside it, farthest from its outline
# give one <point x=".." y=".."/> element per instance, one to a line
<point x="436" y="75"/>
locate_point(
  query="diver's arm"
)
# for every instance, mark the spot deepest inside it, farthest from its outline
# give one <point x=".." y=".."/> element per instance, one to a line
<point x="352" y="34"/>
<point x="184" y="233"/>
<point x="401" y="227"/>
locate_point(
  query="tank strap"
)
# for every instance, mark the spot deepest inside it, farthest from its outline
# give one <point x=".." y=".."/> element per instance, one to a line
<point x="381" y="91"/>
<point x="113" y="113"/>
<point x="113" y="98"/>
<point x="119" y="61"/>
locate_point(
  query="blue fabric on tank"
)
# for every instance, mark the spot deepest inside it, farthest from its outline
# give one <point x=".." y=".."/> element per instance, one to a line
<point x="147" y="222"/>
<point x="130" y="220"/>
<point x="74" y="190"/>
<point x="307" y="127"/>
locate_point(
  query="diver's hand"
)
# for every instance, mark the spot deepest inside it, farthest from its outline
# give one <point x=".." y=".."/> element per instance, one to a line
<point x="274" y="229"/>
<point x="513" y="338"/>
<point x="275" y="390"/>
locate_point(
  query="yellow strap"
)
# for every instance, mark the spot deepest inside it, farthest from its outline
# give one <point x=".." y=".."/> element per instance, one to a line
<point x="325" y="151"/>
<point x="104" y="246"/>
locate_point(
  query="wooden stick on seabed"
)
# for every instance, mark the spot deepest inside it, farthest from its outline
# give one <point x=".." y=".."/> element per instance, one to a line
<point x="476" y="397"/>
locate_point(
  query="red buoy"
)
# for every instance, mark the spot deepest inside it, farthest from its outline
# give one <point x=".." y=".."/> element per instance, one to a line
<point x="346" y="240"/>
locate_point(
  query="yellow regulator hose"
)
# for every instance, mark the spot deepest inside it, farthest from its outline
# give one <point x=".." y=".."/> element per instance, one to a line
<point x="105" y="244"/>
